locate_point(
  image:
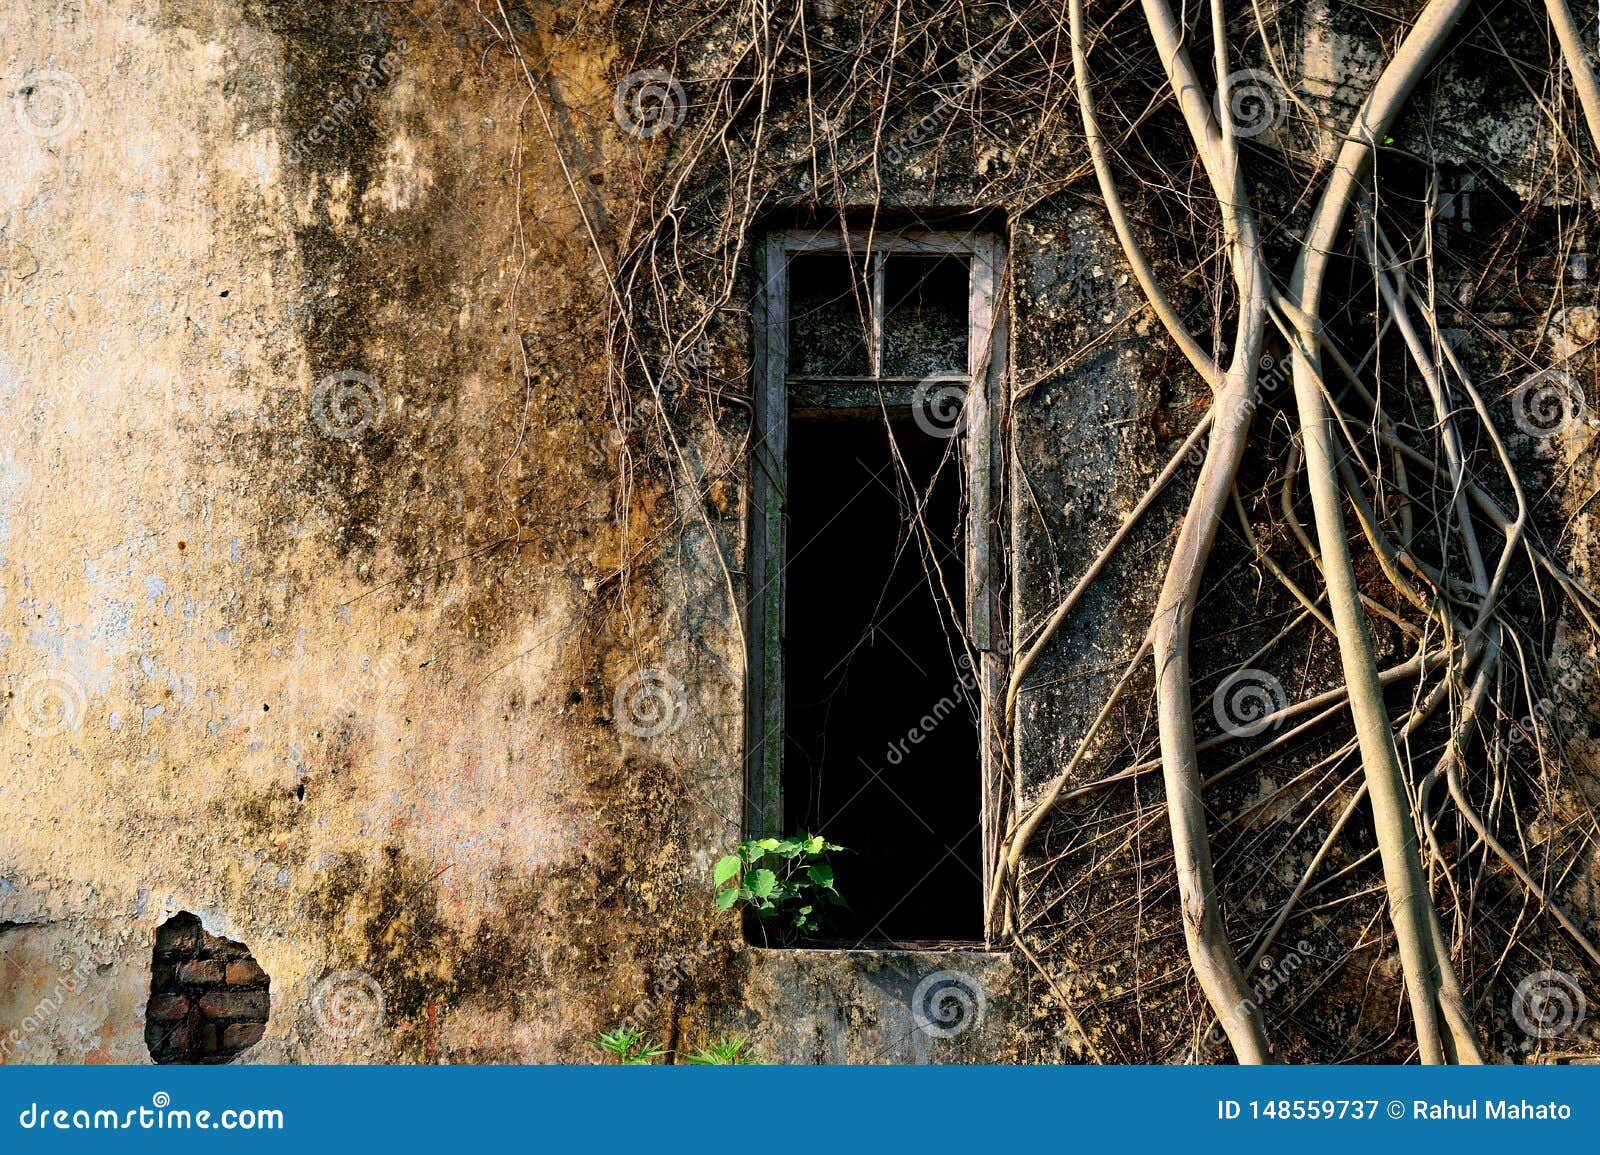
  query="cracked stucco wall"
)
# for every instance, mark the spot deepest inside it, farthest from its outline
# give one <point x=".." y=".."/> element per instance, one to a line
<point x="249" y="671"/>
<point x="308" y="539"/>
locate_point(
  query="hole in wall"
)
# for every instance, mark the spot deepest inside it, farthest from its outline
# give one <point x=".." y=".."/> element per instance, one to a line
<point x="209" y="998"/>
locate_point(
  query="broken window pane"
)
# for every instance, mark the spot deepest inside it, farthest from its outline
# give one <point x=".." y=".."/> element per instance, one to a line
<point x="829" y="327"/>
<point x="925" y="323"/>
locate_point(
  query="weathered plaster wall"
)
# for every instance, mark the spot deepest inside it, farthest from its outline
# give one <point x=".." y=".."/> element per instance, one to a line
<point x="339" y="679"/>
<point x="338" y="696"/>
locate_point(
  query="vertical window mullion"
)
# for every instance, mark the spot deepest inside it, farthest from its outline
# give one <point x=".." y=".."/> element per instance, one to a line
<point x="768" y="549"/>
<point x="984" y="357"/>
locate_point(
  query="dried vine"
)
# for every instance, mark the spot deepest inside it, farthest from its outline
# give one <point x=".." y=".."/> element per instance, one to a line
<point x="1317" y="245"/>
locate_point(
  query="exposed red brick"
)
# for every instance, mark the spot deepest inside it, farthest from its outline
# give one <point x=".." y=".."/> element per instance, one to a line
<point x="192" y="1016"/>
<point x="169" y="1038"/>
<point x="234" y="1005"/>
<point x="200" y="971"/>
<point x="167" y="1007"/>
<point x="238" y="1036"/>
<point x="246" y="973"/>
<point x="184" y="940"/>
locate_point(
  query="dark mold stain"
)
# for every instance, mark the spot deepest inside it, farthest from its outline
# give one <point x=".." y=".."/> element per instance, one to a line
<point x="563" y="929"/>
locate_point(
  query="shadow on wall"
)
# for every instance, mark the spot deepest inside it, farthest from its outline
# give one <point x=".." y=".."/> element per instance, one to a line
<point x="208" y="997"/>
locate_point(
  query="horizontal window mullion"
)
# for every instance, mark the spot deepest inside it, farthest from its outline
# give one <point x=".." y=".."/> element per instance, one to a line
<point x="906" y="379"/>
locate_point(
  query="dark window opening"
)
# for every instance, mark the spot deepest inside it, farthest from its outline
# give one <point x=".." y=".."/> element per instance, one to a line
<point x="829" y="317"/>
<point x="925" y="315"/>
<point x="881" y="706"/>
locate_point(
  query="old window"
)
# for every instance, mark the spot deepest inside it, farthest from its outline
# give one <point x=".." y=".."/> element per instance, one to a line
<point x="874" y="618"/>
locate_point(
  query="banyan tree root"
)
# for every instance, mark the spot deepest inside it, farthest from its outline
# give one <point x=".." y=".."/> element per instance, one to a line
<point x="1401" y="466"/>
<point x="1326" y="449"/>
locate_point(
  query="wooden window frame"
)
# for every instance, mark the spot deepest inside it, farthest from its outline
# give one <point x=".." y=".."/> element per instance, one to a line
<point x="984" y="417"/>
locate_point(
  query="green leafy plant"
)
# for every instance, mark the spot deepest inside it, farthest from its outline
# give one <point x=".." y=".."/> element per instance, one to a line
<point x="729" y="1051"/>
<point x="632" y="1048"/>
<point x="787" y="880"/>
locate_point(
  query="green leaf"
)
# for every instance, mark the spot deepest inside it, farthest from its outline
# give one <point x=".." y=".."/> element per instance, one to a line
<point x="762" y="882"/>
<point x="766" y="844"/>
<point x="633" y="1048"/>
<point x="726" y="898"/>
<point x="727" y="866"/>
<point x="815" y="844"/>
<point x="618" y="1042"/>
<point x="821" y="874"/>
<point x="733" y="1050"/>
